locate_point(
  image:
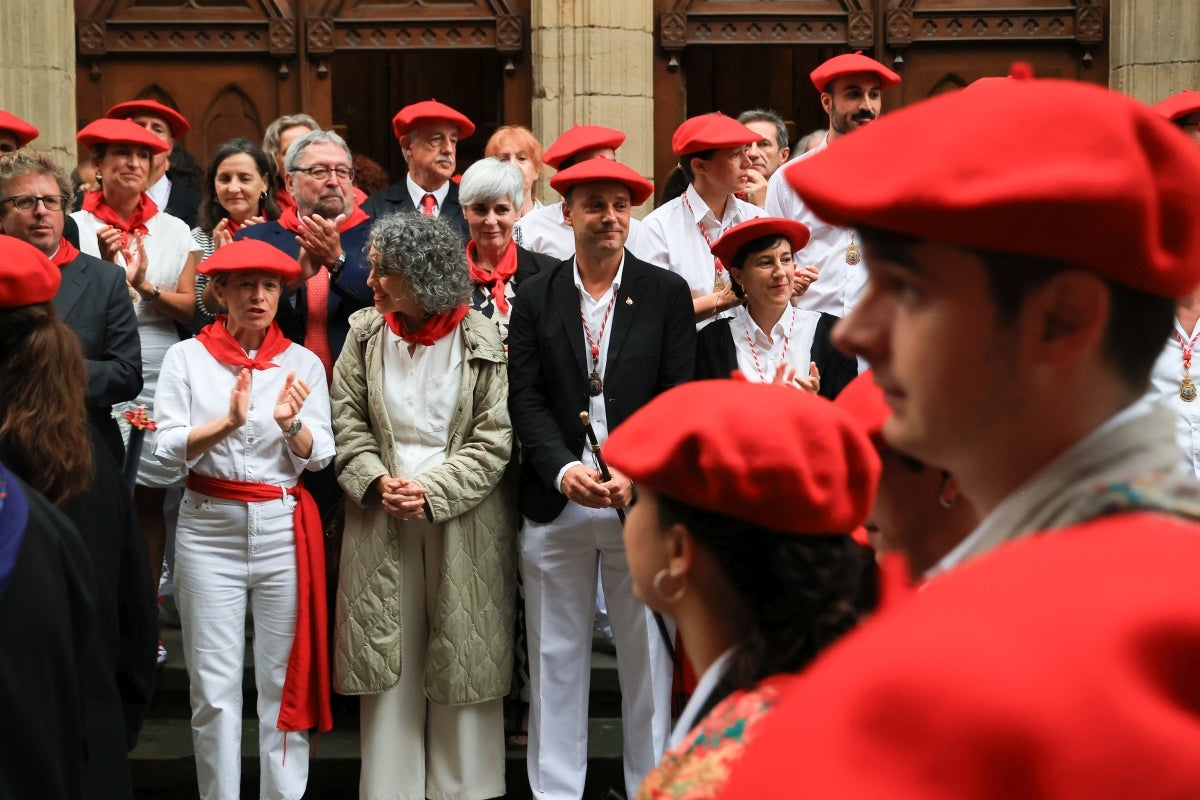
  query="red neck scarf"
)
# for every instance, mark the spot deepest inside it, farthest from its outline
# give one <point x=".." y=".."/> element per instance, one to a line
<point x="285" y="201"/>
<point x="221" y="345"/>
<point x="431" y="329"/>
<point x="66" y="253"/>
<point x="94" y="202"/>
<point x="498" y="277"/>
<point x="291" y="221"/>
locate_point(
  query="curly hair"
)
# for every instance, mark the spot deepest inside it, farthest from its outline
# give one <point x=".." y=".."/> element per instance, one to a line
<point x="429" y="253"/>
<point x="26" y="161"/>
<point x="211" y="210"/>
<point x="803" y="592"/>
<point x="43" y="420"/>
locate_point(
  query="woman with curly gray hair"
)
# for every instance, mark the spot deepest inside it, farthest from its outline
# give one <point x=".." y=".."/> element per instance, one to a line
<point x="425" y="599"/>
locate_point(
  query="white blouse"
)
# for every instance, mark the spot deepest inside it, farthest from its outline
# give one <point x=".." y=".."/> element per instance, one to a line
<point x="420" y="393"/>
<point x="791" y="340"/>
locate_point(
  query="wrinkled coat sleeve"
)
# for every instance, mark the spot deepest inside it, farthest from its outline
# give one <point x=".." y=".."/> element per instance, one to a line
<point x="359" y="460"/>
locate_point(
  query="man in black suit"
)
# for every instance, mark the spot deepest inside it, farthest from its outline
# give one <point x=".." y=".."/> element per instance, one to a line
<point x="602" y="332"/>
<point x="428" y="132"/>
<point x="92" y="300"/>
<point x="167" y="124"/>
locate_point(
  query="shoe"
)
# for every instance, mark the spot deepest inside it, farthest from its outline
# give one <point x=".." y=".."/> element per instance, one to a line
<point x="162" y="653"/>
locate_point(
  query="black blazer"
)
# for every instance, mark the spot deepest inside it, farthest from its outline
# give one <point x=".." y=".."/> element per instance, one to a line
<point x="716" y="356"/>
<point x="395" y="199"/>
<point x="651" y="348"/>
<point x="183" y="202"/>
<point x="94" y="302"/>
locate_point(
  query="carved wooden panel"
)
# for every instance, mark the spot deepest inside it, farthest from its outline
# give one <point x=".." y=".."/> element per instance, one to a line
<point x="914" y="21"/>
<point x="782" y="22"/>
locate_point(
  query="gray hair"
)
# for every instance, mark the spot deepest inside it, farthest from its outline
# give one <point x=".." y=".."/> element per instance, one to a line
<point x="25" y="161"/>
<point x="767" y="115"/>
<point x="428" y="252"/>
<point x="491" y="179"/>
<point x="271" y="138"/>
<point x="806" y="142"/>
<point x="292" y="159"/>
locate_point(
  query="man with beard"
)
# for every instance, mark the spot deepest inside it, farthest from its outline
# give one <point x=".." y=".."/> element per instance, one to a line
<point x="850" y="87"/>
<point x="327" y="234"/>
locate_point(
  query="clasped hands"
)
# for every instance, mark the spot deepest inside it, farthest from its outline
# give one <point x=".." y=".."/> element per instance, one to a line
<point x="402" y="498"/>
<point x="584" y="486"/>
<point x="320" y="241"/>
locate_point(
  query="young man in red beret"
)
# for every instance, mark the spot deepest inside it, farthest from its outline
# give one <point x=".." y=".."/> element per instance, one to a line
<point x="169" y="125"/>
<point x="601" y="333"/>
<point x="1013" y="338"/>
<point x="851" y="87"/>
<point x="712" y="151"/>
<point x="428" y="133"/>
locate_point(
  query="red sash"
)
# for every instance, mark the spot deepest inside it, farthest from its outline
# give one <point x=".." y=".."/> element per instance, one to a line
<point x="66" y="253"/>
<point x="431" y="329"/>
<point x="305" y="702"/>
<point x="221" y="345"/>
<point x="499" y="275"/>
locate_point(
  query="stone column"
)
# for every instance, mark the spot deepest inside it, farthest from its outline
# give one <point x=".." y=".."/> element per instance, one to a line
<point x="37" y="72"/>
<point x="593" y="65"/>
<point x="1155" y="47"/>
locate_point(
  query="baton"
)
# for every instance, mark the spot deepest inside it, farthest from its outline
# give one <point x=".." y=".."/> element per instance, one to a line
<point x="605" y="475"/>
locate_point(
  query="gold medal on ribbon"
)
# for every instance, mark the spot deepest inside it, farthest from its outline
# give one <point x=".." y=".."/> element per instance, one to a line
<point x="853" y="254"/>
<point x="1187" y="389"/>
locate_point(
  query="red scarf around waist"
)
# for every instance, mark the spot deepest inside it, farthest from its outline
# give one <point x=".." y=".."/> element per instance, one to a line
<point x="66" y="253"/>
<point x="431" y="329"/>
<point x="305" y="701"/>
<point x="498" y="277"/>
<point x="94" y="202"/>
<point x="290" y="220"/>
<point x="221" y="345"/>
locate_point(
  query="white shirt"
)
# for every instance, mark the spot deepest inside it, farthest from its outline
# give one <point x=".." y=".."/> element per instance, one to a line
<point x="840" y="285"/>
<point x="791" y="340"/>
<point x="704" y="687"/>
<point x="594" y="311"/>
<point x="418" y="194"/>
<point x="544" y="231"/>
<point x="677" y="244"/>
<point x="420" y="393"/>
<point x="160" y="192"/>
<point x="194" y="389"/>
<point x="1165" y="379"/>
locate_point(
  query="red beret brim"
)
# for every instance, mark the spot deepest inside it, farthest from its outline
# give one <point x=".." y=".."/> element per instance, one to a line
<point x="27" y="277"/>
<point x="426" y="111"/>
<point x="250" y="255"/>
<point x="579" y="138"/>
<point x="119" y="131"/>
<point x="21" y="130"/>
<point x="597" y="170"/>
<point x="726" y="247"/>
<point x="128" y="110"/>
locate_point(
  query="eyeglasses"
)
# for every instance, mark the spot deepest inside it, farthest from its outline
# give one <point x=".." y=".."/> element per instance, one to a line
<point x="27" y="202"/>
<point x="322" y="173"/>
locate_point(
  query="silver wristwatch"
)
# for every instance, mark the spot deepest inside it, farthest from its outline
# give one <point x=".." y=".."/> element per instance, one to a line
<point x="294" y="429"/>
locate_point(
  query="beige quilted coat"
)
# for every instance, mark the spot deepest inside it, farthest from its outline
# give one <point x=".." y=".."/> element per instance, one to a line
<point x="469" y="656"/>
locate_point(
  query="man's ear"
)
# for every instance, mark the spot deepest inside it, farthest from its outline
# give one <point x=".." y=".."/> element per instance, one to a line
<point x="827" y="102"/>
<point x="566" y="211"/>
<point x="1069" y="315"/>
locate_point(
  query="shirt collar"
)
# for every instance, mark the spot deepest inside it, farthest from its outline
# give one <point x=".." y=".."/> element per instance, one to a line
<point x="415" y="192"/>
<point x="616" y="282"/>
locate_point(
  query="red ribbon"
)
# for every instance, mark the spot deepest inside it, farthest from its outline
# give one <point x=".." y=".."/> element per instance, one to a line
<point x="431" y="329"/>
<point x="497" y="278"/>
<point x="221" y="345"/>
<point x="66" y="253"/>
<point x="305" y="701"/>
<point x="291" y="221"/>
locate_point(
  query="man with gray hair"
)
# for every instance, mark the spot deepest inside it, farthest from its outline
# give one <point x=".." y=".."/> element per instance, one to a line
<point x="326" y="233"/>
<point x="767" y="153"/>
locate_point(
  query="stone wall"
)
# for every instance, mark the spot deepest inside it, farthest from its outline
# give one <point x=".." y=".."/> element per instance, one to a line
<point x="1154" y="48"/>
<point x="37" y="72"/>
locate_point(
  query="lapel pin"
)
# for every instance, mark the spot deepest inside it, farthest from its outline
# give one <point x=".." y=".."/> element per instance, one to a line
<point x="628" y="301"/>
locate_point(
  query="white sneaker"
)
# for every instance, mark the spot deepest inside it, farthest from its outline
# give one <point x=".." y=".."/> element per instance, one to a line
<point x="162" y="653"/>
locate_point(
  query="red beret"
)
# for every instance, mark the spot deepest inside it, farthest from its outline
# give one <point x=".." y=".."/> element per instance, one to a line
<point x="19" y="128"/>
<point x="426" y="111"/>
<point x="852" y="64"/>
<point x="1061" y="667"/>
<point x="709" y="132"/>
<point x="863" y="400"/>
<point x="726" y="247"/>
<point x="603" y="169"/>
<point x="1179" y="105"/>
<point x="579" y="138"/>
<point x="128" y="110"/>
<point x="974" y="177"/>
<point x="772" y="455"/>
<point x="250" y="255"/>
<point x="119" y="131"/>
<point x="27" y="277"/>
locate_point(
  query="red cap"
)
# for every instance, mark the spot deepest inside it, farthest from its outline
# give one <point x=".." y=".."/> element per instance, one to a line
<point x="425" y="111"/>
<point x="603" y="169"/>
<point x="250" y="255"/>
<point x="1098" y="155"/>
<point x="1179" y="105"/>
<point x="132" y="108"/>
<point x="579" y="138"/>
<point x="1060" y="667"/>
<point x="709" y="132"/>
<point x="781" y="458"/>
<point x="22" y="130"/>
<point x="119" y="131"/>
<point x="726" y="247"/>
<point x="27" y="277"/>
<point x="863" y="400"/>
<point x="852" y="64"/>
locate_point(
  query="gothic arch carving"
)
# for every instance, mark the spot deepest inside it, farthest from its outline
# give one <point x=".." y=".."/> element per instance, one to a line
<point x="231" y="112"/>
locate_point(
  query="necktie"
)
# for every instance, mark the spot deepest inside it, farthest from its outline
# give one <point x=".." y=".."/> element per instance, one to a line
<point x="316" y="331"/>
<point x="428" y="203"/>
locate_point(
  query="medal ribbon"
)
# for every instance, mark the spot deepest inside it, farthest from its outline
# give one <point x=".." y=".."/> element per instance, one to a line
<point x="1188" y="347"/>
<point x="783" y="355"/>
<point x="718" y="267"/>
<point x="594" y="345"/>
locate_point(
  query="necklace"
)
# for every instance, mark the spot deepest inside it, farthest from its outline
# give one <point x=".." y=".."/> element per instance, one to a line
<point x="718" y="267"/>
<point x="754" y="348"/>
<point x="853" y="254"/>
<point x="595" y="382"/>
<point x="1187" y="388"/>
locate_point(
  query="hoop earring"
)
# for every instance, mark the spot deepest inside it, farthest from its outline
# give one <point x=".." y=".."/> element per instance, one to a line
<point x="674" y="598"/>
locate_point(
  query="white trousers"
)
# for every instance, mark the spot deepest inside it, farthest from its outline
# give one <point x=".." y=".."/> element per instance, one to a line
<point x="412" y="747"/>
<point x="558" y="563"/>
<point x="227" y="554"/>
